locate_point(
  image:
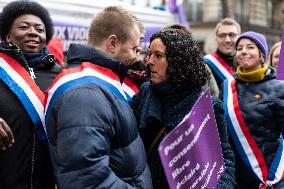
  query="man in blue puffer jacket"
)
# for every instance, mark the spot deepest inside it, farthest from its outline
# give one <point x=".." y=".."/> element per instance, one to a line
<point x="92" y="130"/>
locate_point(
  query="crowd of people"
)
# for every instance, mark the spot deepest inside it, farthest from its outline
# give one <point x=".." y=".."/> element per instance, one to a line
<point x="96" y="118"/>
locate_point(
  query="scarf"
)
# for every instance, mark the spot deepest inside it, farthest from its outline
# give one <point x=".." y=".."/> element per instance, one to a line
<point x="41" y="59"/>
<point x="252" y="76"/>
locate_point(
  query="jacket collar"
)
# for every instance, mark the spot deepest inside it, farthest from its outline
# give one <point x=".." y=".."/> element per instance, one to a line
<point x="78" y="53"/>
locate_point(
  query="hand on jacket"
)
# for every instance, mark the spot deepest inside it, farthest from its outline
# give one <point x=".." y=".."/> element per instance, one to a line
<point x="6" y="135"/>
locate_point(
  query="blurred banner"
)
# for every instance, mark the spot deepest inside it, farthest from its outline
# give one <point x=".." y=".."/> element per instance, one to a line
<point x="280" y="70"/>
<point x="176" y="7"/>
<point x="70" y="33"/>
<point x="191" y="154"/>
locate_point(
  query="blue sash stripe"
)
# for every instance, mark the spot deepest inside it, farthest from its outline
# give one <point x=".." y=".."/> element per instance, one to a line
<point x="276" y="161"/>
<point x="26" y="103"/>
<point x="128" y="97"/>
<point x="215" y="68"/>
<point x="79" y="81"/>
<point x="232" y="130"/>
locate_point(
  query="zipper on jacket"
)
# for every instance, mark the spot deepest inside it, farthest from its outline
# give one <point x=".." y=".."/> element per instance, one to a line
<point x="26" y="65"/>
<point x="30" y="70"/>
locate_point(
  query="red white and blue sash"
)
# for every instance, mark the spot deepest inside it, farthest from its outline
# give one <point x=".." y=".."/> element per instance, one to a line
<point x="83" y="74"/>
<point x="129" y="88"/>
<point x="24" y="87"/>
<point x="245" y="143"/>
<point x="219" y="66"/>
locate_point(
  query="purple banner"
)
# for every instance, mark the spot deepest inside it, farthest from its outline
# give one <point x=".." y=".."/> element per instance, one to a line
<point x="280" y="70"/>
<point x="70" y="33"/>
<point x="191" y="154"/>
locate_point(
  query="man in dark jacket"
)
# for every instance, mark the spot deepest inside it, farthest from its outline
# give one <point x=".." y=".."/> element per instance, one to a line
<point x="92" y="130"/>
<point x="26" y="69"/>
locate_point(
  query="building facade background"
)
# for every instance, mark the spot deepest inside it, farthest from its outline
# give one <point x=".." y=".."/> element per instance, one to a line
<point x="263" y="16"/>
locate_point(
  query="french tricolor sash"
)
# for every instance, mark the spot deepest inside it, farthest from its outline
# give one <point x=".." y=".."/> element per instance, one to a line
<point x="245" y="143"/>
<point x="129" y="88"/>
<point x="219" y="66"/>
<point x="24" y="87"/>
<point x="83" y="74"/>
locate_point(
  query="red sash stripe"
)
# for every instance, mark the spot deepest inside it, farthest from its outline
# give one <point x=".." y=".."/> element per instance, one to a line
<point x="247" y="134"/>
<point x="24" y="87"/>
<point x="246" y="145"/>
<point x="224" y="64"/>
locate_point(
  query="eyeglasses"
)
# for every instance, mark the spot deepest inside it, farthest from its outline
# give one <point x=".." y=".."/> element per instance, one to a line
<point x="224" y="35"/>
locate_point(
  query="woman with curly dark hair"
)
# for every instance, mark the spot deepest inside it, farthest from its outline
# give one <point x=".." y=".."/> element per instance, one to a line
<point x="177" y="75"/>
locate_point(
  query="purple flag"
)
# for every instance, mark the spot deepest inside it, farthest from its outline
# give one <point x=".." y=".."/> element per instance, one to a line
<point x="191" y="153"/>
<point x="280" y="70"/>
<point x="176" y="7"/>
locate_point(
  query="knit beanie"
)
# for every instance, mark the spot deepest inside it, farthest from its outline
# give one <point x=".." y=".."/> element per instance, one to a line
<point x="259" y="40"/>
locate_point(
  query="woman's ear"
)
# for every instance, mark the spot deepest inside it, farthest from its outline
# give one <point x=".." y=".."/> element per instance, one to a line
<point x="262" y="60"/>
<point x="8" y="38"/>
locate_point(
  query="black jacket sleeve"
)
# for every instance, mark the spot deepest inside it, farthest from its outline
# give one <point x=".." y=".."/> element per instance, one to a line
<point x="227" y="181"/>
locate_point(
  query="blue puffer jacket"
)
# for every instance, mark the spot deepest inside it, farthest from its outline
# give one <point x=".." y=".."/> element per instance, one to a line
<point x="93" y="136"/>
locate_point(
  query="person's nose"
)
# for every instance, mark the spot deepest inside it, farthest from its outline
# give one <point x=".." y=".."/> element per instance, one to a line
<point x="227" y="38"/>
<point x="244" y="51"/>
<point x="150" y="59"/>
<point x="32" y="31"/>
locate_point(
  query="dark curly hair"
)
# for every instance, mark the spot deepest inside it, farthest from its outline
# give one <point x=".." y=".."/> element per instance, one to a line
<point x="185" y="63"/>
<point x="18" y="8"/>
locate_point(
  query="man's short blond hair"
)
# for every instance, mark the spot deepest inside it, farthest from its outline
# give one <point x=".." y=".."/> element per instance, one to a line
<point x="112" y="20"/>
<point x="228" y="22"/>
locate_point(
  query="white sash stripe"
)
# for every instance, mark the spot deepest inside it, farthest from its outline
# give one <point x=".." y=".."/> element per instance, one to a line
<point x="221" y="68"/>
<point x="245" y="145"/>
<point x="83" y="73"/>
<point x="280" y="169"/>
<point x="128" y="90"/>
<point x="26" y="88"/>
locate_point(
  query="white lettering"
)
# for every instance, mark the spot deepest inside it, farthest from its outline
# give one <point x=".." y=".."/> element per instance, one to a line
<point x="59" y="31"/>
<point x="173" y="145"/>
<point x="189" y="146"/>
<point x="179" y="170"/>
<point x="188" y="177"/>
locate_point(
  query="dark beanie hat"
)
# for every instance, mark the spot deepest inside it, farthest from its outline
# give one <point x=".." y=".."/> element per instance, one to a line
<point x="18" y="8"/>
<point x="259" y="40"/>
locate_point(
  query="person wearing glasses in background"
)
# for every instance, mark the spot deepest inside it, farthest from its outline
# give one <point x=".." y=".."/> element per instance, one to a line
<point x="221" y="62"/>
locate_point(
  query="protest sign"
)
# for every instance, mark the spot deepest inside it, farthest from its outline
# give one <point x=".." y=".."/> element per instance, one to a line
<point x="191" y="153"/>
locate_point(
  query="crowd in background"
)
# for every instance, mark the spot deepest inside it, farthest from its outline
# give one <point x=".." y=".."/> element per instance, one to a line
<point x="95" y="117"/>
